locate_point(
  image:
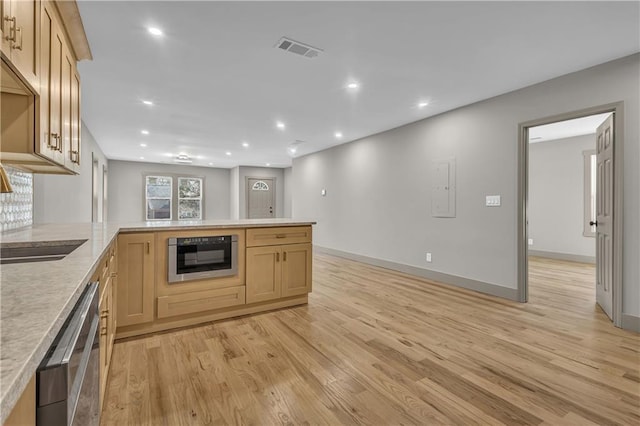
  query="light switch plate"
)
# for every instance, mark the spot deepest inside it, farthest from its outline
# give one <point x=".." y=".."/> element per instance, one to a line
<point x="493" y="201"/>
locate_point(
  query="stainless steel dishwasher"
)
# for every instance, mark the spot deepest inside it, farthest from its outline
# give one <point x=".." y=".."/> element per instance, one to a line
<point x="68" y="378"/>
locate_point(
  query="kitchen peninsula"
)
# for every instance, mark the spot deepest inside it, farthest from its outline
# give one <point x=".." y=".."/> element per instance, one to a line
<point x="131" y="263"/>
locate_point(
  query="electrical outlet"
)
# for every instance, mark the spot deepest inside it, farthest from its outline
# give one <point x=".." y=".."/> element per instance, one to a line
<point x="428" y="258"/>
<point x="530" y="241"/>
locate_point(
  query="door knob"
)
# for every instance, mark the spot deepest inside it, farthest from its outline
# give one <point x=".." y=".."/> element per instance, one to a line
<point x="592" y="223"/>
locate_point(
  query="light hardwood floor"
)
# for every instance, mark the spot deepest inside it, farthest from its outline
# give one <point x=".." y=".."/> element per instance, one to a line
<point x="379" y="347"/>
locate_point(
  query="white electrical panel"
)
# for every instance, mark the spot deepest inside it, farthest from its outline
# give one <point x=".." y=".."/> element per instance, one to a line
<point x="443" y="191"/>
<point x="493" y="201"/>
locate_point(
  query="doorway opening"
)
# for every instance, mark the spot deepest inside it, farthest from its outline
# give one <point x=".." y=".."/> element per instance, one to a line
<point x="570" y="204"/>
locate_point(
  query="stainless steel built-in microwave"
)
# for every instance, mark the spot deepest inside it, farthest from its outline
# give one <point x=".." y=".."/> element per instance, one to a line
<point x="197" y="258"/>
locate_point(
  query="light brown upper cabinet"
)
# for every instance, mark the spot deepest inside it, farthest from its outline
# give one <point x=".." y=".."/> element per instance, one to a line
<point x="41" y="132"/>
<point x="20" y="37"/>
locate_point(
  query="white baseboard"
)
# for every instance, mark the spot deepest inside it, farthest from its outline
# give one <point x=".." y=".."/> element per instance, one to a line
<point x="563" y="256"/>
<point x="467" y="283"/>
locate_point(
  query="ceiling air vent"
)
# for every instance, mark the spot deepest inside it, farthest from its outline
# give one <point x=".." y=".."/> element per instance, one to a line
<point x="298" y="48"/>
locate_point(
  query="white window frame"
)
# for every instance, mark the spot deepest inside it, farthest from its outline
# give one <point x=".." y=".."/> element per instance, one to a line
<point x="590" y="165"/>
<point x="147" y="198"/>
<point x="200" y="198"/>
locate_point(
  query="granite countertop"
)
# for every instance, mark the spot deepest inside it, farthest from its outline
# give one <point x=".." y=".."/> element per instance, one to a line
<point x="36" y="298"/>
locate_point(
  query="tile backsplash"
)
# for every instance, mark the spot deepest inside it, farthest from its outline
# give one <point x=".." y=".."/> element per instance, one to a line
<point x="16" y="208"/>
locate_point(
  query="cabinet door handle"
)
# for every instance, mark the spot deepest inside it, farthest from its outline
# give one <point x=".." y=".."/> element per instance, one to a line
<point x="16" y="45"/>
<point x="281" y="236"/>
<point x="103" y="331"/>
<point x="49" y="137"/>
<point x="277" y="256"/>
<point x="55" y="137"/>
<point x="148" y="247"/>
<point x="74" y="157"/>
<point x="12" y="29"/>
<point x="284" y="256"/>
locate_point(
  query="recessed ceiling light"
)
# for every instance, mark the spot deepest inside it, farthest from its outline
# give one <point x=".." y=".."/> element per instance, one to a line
<point x="199" y="157"/>
<point x="147" y="102"/>
<point x="245" y="144"/>
<point x="144" y="132"/>
<point x="228" y="153"/>
<point x="268" y="164"/>
<point x="144" y="145"/>
<point x="211" y="164"/>
<point x="142" y="158"/>
<point x="338" y="135"/>
<point x="422" y="104"/>
<point x="353" y="85"/>
<point x="280" y="125"/>
<point x="155" y="31"/>
<point x="293" y="149"/>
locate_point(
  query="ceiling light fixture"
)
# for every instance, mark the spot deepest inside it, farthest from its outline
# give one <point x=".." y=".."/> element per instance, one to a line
<point x="147" y="102"/>
<point x="245" y="144"/>
<point x="228" y="153"/>
<point x="142" y="158"/>
<point x="144" y="132"/>
<point x="144" y="145"/>
<point x="338" y="135"/>
<point x="423" y="104"/>
<point x="268" y="164"/>
<point x="183" y="158"/>
<point x="353" y="85"/>
<point x="155" y="31"/>
<point x="280" y="125"/>
<point x="211" y="164"/>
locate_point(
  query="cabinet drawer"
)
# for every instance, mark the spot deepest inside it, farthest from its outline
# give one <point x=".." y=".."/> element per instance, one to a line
<point x="200" y="301"/>
<point x="274" y="236"/>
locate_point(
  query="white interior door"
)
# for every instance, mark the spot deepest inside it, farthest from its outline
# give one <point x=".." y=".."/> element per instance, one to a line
<point x="261" y="198"/>
<point x="604" y="216"/>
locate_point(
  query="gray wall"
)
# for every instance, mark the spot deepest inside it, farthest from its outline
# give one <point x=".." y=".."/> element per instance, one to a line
<point x="556" y="196"/>
<point x="234" y="192"/>
<point x="68" y="198"/>
<point x="126" y="189"/>
<point x="260" y="172"/>
<point x="288" y="187"/>
<point x="378" y="188"/>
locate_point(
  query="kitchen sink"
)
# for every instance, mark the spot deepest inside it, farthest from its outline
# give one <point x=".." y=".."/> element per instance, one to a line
<point x="37" y="251"/>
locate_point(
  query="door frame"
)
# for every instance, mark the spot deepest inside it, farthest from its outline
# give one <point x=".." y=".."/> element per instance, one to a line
<point x="247" y="192"/>
<point x="523" y="198"/>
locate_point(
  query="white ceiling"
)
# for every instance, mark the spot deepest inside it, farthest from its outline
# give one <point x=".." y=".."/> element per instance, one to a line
<point x="217" y="80"/>
<point x="566" y="129"/>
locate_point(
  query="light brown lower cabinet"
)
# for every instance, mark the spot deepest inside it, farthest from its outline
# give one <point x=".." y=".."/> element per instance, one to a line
<point x="136" y="278"/>
<point x="278" y="271"/>
<point x="275" y="271"/>
<point x="24" y="412"/>
<point x="107" y="333"/>
<point x="200" y="301"/>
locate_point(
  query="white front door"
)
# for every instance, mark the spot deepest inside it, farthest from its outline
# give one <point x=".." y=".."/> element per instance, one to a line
<point x="604" y="216"/>
<point x="261" y="198"/>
